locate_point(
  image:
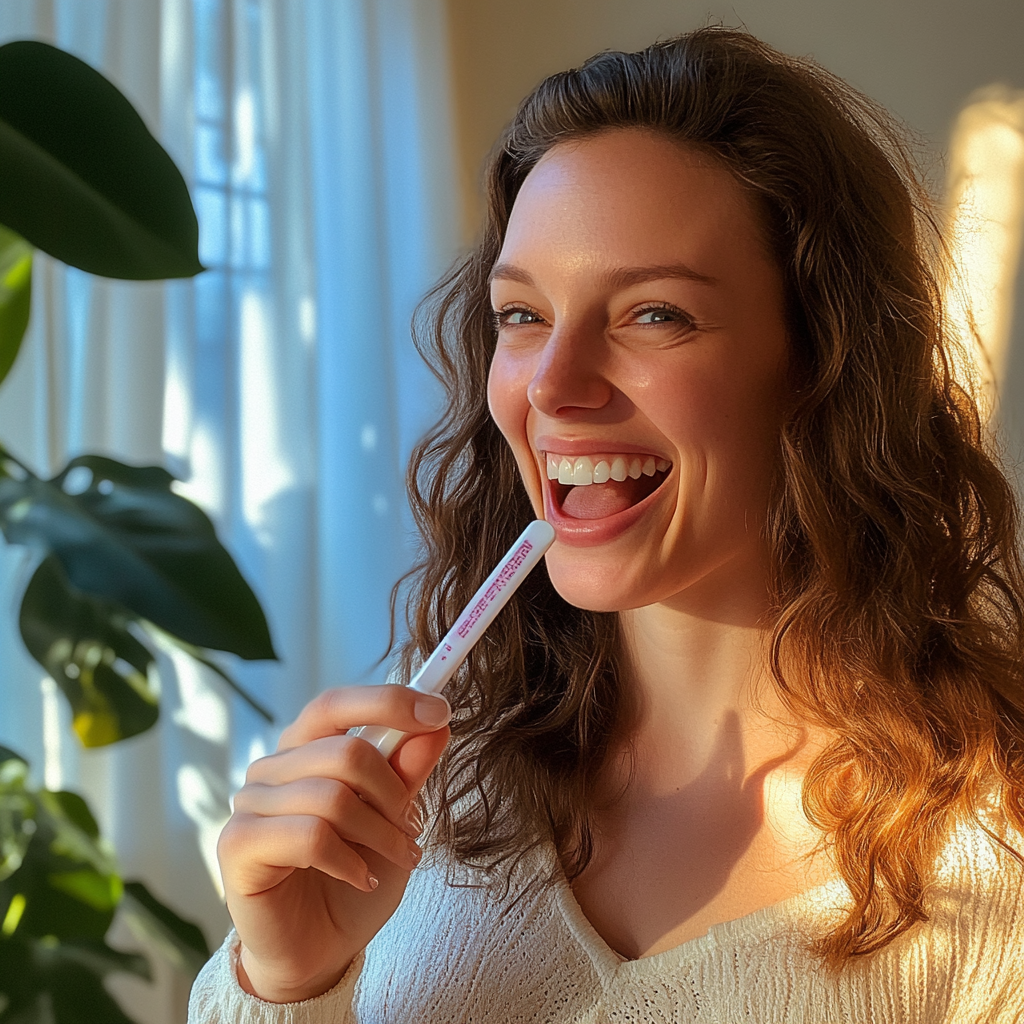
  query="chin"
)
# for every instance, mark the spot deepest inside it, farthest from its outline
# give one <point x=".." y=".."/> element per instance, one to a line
<point x="581" y="580"/>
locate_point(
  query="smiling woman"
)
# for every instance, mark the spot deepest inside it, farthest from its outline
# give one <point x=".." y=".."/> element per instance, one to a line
<point x="652" y="335"/>
<point x="764" y="713"/>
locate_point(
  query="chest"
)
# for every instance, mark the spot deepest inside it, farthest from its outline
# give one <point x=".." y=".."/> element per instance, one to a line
<point x="669" y="866"/>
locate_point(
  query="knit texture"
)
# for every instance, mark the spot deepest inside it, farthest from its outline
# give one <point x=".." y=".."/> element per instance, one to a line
<point x="453" y="953"/>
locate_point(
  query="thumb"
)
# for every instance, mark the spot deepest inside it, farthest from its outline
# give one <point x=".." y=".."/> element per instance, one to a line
<point x="416" y="758"/>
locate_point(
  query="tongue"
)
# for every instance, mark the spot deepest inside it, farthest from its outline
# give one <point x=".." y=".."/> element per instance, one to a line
<point x="600" y="500"/>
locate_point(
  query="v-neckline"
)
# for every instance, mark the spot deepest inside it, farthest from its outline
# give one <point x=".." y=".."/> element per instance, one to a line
<point x="608" y="961"/>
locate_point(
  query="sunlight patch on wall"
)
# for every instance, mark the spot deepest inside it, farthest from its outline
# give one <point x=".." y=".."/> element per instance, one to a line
<point x="205" y="460"/>
<point x="985" y="186"/>
<point x="53" y="768"/>
<point x="203" y="711"/>
<point x="177" y="411"/>
<point x="201" y="796"/>
<point x="245" y="135"/>
<point x="266" y="472"/>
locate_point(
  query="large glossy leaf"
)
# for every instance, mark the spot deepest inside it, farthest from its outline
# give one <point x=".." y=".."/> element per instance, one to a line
<point x="50" y="982"/>
<point x="84" y="643"/>
<point x="180" y="941"/>
<point x="55" y="911"/>
<point x="122" y="534"/>
<point x="76" y="810"/>
<point x="15" y="296"/>
<point x="81" y="177"/>
<point x="72" y="974"/>
<point x="17" y="816"/>
<point x="98" y="957"/>
<point x="66" y="885"/>
<point x="18" y="982"/>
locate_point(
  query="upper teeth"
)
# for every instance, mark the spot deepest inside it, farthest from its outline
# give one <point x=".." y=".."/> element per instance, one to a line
<point x="602" y="468"/>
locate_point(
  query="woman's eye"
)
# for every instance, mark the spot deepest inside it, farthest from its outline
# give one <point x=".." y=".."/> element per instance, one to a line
<point x="661" y="315"/>
<point x="516" y="317"/>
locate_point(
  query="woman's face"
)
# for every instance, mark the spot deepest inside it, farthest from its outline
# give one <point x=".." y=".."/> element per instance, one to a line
<point x="639" y="373"/>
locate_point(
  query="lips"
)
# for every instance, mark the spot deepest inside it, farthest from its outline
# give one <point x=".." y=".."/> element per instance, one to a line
<point x="589" y="499"/>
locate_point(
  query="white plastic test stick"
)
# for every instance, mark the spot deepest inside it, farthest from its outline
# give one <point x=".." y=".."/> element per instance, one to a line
<point x="451" y="652"/>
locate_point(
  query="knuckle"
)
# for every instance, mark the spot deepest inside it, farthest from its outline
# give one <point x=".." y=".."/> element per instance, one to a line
<point x="354" y="755"/>
<point x="336" y="799"/>
<point x="307" y="721"/>
<point x="242" y="800"/>
<point x="232" y="837"/>
<point x="331" y="702"/>
<point x="287" y="738"/>
<point x="258" y="769"/>
<point x="320" y="838"/>
<point x="398" y="702"/>
<point x="399" y="846"/>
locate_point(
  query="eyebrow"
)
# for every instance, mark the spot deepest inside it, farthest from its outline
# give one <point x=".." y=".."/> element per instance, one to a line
<point x="623" y="277"/>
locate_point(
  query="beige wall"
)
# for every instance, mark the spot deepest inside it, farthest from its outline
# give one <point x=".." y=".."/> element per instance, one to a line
<point x="921" y="58"/>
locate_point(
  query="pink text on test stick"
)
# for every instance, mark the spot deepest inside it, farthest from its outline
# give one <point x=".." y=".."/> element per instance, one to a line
<point x="485" y="604"/>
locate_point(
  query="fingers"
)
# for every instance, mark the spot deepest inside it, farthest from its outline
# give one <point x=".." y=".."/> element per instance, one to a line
<point x="338" y="710"/>
<point x="416" y="758"/>
<point x="342" y="758"/>
<point x="285" y="842"/>
<point x="352" y="819"/>
<point x="324" y="796"/>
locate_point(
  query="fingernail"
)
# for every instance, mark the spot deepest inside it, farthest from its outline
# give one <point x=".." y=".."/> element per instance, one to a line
<point x="413" y="821"/>
<point x="414" y="852"/>
<point x="372" y="882"/>
<point x="432" y="710"/>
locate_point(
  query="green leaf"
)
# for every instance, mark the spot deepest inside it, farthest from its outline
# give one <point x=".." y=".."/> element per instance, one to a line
<point x="54" y="957"/>
<point x="122" y="534"/>
<point x="45" y="981"/>
<point x="181" y="941"/>
<point x="66" y="882"/>
<point x="17" y="821"/>
<point x="73" y="975"/>
<point x="100" y="958"/>
<point x="18" y="981"/>
<point x="101" y="892"/>
<point x="15" y="296"/>
<point x="45" y="910"/>
<point x="76" y="810"/>
<point x="71" y="845"/>
<point x="84" y="643"/>
<point x="81" y="177"/>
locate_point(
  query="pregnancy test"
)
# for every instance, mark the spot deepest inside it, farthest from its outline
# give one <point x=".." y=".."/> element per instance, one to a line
<point x="485" y="604"/>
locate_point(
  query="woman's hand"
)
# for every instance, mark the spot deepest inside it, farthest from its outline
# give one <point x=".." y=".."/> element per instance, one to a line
<point x="318" y="852"/>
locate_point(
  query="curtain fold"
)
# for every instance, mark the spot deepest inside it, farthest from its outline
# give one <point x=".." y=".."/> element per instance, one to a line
<point x="280" y="386"/>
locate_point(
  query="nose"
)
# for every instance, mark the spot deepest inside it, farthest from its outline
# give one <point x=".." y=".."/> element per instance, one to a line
<point x="568" y="375"/>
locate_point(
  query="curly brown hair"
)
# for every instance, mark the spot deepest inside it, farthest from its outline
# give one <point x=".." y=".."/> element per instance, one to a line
<point x="894" y="571"/>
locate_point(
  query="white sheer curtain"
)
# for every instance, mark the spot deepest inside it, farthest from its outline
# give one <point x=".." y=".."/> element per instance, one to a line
<point x="280" y="385"/>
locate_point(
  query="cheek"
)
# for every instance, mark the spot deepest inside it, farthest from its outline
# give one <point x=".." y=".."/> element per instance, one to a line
<point x="726" y="423"/>
<point x="507" y="383"/>
<point x="509" y="404"/>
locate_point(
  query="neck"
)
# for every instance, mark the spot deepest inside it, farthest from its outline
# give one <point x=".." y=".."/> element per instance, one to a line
<point x="697" y="675"/>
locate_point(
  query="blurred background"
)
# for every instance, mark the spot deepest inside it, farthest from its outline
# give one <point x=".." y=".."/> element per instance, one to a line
<point x="333" y="150"/>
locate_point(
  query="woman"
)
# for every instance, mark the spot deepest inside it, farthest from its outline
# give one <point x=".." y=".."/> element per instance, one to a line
<point x="753" y="747"/>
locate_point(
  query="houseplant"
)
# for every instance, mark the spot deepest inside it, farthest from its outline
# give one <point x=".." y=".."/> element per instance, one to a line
<point x="120" y="558"/>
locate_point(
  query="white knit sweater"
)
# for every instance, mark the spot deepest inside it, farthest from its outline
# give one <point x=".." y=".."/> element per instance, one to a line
<point x="453" y="954"/>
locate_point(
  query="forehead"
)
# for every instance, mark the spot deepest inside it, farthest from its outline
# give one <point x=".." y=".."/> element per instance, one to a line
<point x="629" y="195"/>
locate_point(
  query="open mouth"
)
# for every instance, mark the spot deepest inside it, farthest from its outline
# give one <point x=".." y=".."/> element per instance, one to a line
<point x="598" y="486"/>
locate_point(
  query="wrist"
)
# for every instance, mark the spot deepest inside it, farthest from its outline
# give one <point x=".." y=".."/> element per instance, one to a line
<point x="260" y="983"/>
